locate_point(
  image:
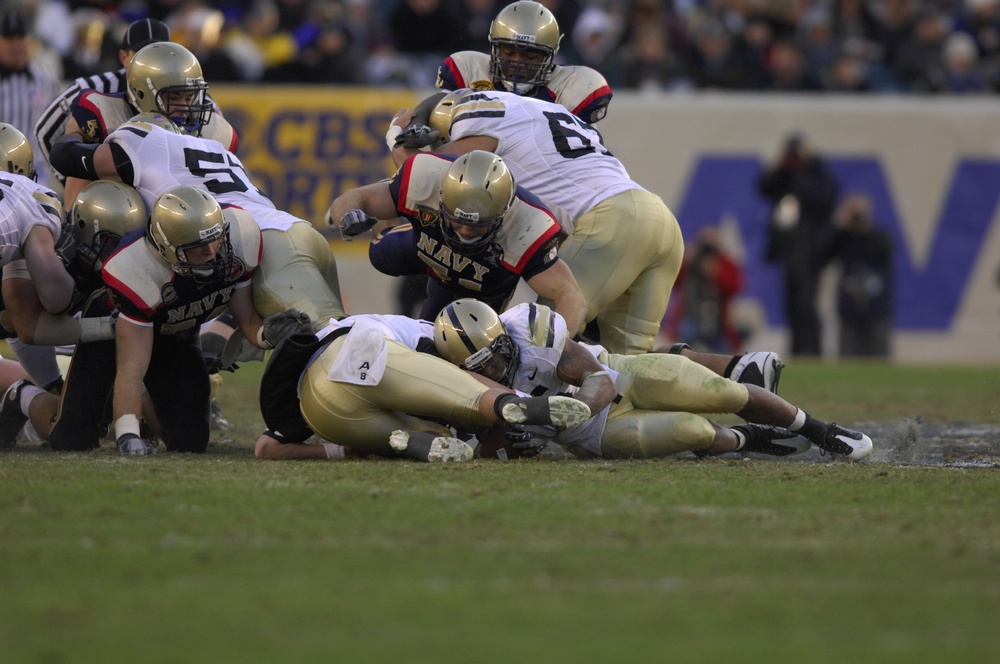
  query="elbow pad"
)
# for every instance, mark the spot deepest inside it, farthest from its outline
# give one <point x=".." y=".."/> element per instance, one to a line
<point x="123" y="165"/>
<point x="73" y="158"/>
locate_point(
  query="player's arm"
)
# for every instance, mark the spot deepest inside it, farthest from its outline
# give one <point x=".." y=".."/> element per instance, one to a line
<point x="134" y="347"/>
<point x="375" y="200"/>
<point x="75" y="158"/>
<point x="54" y="284"/>
<point x="577" y="366"/>
<point x="249" y="321"/>
<point x="557" y="284"/>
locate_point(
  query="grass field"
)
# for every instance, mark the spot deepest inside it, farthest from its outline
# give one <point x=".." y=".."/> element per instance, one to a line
<point x="222" y="558"/>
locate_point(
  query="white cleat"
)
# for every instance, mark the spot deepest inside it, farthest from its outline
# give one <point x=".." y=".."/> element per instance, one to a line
<point x="426" y="446"/>
<point x="760" y="368"/>
<point x="846" y="443"/>
<point x="557" y="411"/>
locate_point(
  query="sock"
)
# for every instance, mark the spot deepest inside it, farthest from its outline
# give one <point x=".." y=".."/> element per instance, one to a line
<point x="502" y="401"/>
<point x="807" y="425"/>
<point x="333" y="450"/>
<point x="28" y="392"/>
<point x="38" y="361"/>
<point x="741" y="438"/>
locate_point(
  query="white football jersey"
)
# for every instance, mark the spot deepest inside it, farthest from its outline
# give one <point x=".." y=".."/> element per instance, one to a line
<point x="540" y="334"/>
<point x="25" y="204"/>
<point x="403" y="329"/>
<point x="551" y="152"/>
<point x="162" y="160"/>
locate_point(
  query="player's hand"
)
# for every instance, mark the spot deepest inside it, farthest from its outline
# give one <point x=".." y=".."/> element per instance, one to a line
<point x="355" y="222"/>
<point x="132" y="445"/>
<point x="66" y="247"/>
<point x="417" y="136"/>
<point x="278" y="327"/>
<point x="531" y="439"/>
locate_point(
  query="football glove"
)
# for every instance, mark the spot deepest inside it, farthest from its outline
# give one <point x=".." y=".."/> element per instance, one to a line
<point x="417" y="136"/>
<point x="355" y="222"/>
<point x="66" y="244"/>
<point x="278" y="327"/>
<point x="131" y="445"/>
<point x="531" y="439"/>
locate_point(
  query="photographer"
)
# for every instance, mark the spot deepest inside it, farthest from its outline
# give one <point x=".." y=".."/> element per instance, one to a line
<point x="802" y="191"/>
<point x="864" y="295"/>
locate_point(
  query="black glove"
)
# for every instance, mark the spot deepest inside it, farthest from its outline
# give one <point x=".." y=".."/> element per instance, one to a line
<point x="531" y="439"/>
<point x="417" y="136"/>
<point x="355" y="222"/>
<point x="66" y="244"/>
<point x="278" y="327"/>
<point x="132" y="445"/>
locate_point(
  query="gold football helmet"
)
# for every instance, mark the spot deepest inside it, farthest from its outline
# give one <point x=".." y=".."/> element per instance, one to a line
<point x="477" y="191"/>
<point x="470" y="334"/>
<point x="166" y="78"/>
<point x="444" y="112"/>
<point x="104" y="211"/>
<point x="524" y="25"/>
<point x="15" y="152"/>
<point x="184" y="218"/>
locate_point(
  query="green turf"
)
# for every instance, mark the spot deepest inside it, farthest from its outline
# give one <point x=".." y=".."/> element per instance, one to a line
<point x="222" y="558"/>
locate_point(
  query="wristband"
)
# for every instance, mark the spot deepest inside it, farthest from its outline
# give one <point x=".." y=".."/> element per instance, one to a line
<point x="74" y="158"/>
<point x="334" y="451"/>
<point x="126" y="424"/>
<point x="390" y="135"/>
<point x="261" y="341"/>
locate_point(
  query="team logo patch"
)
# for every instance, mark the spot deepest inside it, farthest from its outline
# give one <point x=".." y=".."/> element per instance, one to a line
<point x="553" y="252"/>
<point x="168" y="294"/>
<point x="427" y="216"/>
<point x="235" y="269"/>
<point x="481" y="85"/>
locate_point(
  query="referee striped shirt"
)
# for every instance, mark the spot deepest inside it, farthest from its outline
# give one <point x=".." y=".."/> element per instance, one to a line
<point x="52" y="123"/>
<point x="24" y="96"/>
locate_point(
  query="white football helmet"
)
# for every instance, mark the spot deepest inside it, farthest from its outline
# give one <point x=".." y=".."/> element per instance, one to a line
<point x="187" y="217"/>
<point x="166" y="78"/>
<point x="103" y="212"/>
<point x="477" y="191"/>
<point x="470" y="334"/>
<point x="528" y="26"/>
<point x="15" y="152"/>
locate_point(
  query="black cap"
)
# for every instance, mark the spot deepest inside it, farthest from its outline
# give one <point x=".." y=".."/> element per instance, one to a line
<point x="13" y="24"/>
<point x="143" y="32"/>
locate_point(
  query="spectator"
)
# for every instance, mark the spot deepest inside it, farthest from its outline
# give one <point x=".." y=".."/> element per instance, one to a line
<point x="708" y="280"/>
<point x="918" y="64"/>
<point x="961" y="65"/>
<point x="802" y="191"/>
<point x="648" y="63"/>
<point x="864" y="295"/>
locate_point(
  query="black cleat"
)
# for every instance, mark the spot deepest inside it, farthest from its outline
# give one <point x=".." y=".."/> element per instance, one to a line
<point x="558" y="411"/>
<point x="839" y="441"/>
<point x="776" y="441"/>
<point x="12" y="420"/>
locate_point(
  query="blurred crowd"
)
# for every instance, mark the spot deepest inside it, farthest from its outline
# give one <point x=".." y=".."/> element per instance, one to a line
<point x="876" y="46"/>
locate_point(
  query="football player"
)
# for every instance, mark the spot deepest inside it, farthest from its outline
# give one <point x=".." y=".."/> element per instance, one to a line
<point x="524" y="39"/>
<point x="624" y="247"/>
<point x="362" y="382"/>
<point x="37" y="289"/>
<point x="189" y="263"/>
<point x="52" y="123"/>
<point x="471" y="228"/>
<point x="645" y="405"/>
<point x="297" y="269"/>
<point x="162" y="77"/>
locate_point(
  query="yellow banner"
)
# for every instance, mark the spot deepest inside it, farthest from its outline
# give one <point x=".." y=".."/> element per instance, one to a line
<point x="304" y="145"/>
